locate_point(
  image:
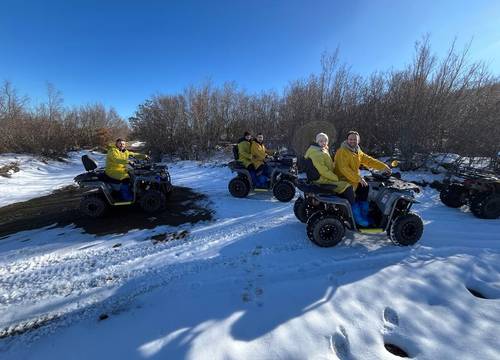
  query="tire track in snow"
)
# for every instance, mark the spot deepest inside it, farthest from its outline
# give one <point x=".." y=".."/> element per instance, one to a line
<point x="54" y="276"/>
<point x="138" y="268"/>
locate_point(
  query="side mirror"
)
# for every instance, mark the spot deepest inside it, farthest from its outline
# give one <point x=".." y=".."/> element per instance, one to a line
<point x="394" y="163"/>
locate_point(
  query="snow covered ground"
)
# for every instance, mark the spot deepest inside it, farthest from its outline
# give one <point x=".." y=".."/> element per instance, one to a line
<point x="36" y="177"/>
<point x="250" y="285"/>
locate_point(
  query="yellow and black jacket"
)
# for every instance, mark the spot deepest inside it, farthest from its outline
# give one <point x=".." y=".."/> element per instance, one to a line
<point x="244" y="154"/>
<point x="259" y="153"/>
<point x="323" y="163"/>
<point x="348" y="161"/>
<point x="116" y="162"/>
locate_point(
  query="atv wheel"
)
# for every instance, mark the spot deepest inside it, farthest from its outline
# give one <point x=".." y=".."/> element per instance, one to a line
<point x="239" y="187"/>
<point x="284" y="190"/>
<point x="406" y="230"/>
<point x="152" y="201"/>
<point x="300" y="209"/>
<point x="453" y="195"/>
<point x="93" y="206"/>
<point x="325" y="229"/>
<point x="486" y="206"/>
<point x="168" y="194"/>
<point x="167" y="190"/>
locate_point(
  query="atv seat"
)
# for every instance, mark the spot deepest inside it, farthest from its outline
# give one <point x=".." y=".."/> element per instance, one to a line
<point x="236" y="165"/>
<point x="88" y="163"/>
<point x="323" y="189"/>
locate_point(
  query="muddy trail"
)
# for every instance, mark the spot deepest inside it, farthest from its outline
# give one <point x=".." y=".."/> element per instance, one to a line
<point x="61" y="208"/>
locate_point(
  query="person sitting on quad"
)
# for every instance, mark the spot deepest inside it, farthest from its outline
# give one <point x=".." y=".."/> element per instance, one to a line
<point x="259" y="155"/>
<point x="116" y="172"/>
<point x="348" y="159"/>
<point x="244" y="155"/>
<point x="322" y="162"/>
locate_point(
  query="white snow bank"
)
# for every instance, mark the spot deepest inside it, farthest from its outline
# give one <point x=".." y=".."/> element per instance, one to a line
<point x="39" y="177"/>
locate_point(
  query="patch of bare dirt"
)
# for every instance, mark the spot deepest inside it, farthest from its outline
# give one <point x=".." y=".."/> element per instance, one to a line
<point x="61" y="208"/>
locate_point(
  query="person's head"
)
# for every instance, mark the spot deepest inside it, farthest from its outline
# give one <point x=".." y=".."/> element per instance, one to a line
<point x="121" y="144"/>
<point x="259" y="137"/>
<point x="353" y="138"/>
<point x="322" y="140"/>
<point x="247" y="136"/>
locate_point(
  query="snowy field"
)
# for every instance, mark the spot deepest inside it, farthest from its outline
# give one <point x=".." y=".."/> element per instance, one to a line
<point x="248" y="285"/>
<point x="37" y="177"/>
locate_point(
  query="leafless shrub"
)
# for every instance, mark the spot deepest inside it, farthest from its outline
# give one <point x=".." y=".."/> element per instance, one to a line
<point x="432" y="105"/>
<point x="50" y="129"/>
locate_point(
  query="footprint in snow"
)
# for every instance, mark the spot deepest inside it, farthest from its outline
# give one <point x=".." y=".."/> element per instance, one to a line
<point x="391" y="317"/>
<point x="390" y="336"/>
<point x="339" y="344"/>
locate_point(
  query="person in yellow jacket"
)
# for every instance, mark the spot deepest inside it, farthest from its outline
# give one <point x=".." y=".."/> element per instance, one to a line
<point x="322" y="161"/>
<point x="259" y="155"/>
<point x="348" y="159"/>
<point x="244" y="154"/>
<point x="117" y="160"/>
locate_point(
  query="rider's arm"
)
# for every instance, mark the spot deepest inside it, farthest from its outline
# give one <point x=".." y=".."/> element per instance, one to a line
<point x="342" y="160"/>
<point x="372" y="163"/>
<point x="137" y="155"/>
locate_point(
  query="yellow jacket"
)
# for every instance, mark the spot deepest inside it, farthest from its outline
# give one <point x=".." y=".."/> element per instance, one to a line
<point x="347" y="163"/>
<point x="244" y="154"/>
<point x="323" y="163"/>
<point x="259" y="153"/>
<point x="116" y="162"/>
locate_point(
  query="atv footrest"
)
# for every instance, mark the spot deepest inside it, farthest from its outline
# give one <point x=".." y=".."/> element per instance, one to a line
<point x="119" y="203"/>
<point x="371" y="230"/>
<point x="261" y="189"/>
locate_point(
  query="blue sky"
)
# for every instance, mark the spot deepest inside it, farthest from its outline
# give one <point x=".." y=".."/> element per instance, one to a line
<point x="120" y="52"/>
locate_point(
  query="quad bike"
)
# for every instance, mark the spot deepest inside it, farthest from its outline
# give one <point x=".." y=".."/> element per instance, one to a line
<point x="475" y="187"/>
<point x="150" y="184"/>
<point x="328" y="216"/>
<point x="281" y="182"/>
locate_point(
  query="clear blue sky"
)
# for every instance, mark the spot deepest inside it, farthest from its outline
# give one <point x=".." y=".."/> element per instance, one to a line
<point x="120" y="52"/>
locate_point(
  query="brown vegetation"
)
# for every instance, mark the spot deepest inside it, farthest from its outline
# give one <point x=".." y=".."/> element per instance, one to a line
<point x="433" y="105"/>
<point x="50" y="129"/>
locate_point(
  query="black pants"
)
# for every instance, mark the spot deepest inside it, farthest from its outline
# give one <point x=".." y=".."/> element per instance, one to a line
<point x="348" y="194"/>
<point x="362" y="193"/>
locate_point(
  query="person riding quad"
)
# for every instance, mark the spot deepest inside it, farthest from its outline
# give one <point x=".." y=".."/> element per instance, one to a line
<point x="259" y="155"/>
<point x="322" y="161"/>
<point x="348" y="159"/>
<point x="116" y="172"/>
<point x="245" y="155"/>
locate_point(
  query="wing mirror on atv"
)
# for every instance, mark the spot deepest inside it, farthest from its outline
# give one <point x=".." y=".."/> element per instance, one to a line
<point x="394" y="164"/>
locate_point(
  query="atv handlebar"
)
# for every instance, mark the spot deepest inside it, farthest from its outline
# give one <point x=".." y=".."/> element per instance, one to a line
<point x="148" y="164"/>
